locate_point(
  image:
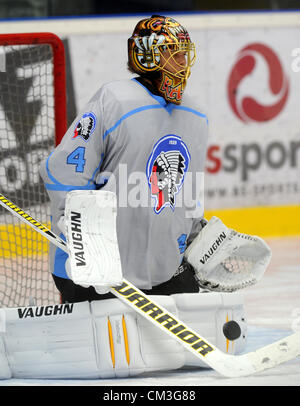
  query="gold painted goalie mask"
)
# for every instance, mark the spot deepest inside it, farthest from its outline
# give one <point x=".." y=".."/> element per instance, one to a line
<point x="161" y="49"/>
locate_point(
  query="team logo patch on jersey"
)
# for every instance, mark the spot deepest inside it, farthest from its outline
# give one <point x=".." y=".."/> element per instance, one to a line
<point x="166" y="168"/>
<point x="85" y="126"/>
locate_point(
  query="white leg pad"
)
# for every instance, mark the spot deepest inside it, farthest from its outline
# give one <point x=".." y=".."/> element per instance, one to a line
<point x="5" y="372"/>
<point x="51" y="342"/>
<point x="206" y="313"/>
<point x="145" y="349"/>
<point x="102" y="339"/>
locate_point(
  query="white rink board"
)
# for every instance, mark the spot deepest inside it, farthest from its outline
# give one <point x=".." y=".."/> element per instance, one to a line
<point x="260" y="161"/>
<point x="249" y="163"/>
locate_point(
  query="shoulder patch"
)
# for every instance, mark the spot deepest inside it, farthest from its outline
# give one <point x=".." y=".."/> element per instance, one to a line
<point x="85" y="126"/>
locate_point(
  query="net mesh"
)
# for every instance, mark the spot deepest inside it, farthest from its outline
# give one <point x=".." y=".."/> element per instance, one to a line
<point x="27" y="135"/>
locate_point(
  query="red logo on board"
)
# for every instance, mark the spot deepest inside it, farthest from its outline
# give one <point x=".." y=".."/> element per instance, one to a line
<point x="246" y="107"/>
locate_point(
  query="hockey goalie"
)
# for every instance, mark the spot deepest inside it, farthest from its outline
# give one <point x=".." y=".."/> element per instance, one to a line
<point x="108" y="338"/>
<point x="146" y="284"/>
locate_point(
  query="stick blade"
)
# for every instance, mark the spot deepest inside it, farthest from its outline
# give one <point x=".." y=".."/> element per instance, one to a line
<point x="235" y="366"/>
<point x="276" y="353"/>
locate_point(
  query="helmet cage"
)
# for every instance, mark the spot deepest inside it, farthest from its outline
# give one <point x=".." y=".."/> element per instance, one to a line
<point x="152" y="38"/>
<point x="165" y="57"/>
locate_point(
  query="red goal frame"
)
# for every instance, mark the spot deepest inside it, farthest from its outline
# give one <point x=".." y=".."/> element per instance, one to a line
<point x="59" y="72"/>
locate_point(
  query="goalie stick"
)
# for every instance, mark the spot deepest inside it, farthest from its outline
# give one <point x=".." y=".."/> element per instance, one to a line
<point x="225" y="364"/>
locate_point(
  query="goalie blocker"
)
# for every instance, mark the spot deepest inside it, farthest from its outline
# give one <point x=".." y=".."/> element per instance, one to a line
<point x="107" y="339"/>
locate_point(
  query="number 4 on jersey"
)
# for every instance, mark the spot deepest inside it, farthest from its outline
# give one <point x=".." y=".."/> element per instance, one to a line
<point x="77" y="158"/>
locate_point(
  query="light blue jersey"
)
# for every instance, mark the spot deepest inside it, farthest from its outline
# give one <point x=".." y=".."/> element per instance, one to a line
<point x="152" y="154"/>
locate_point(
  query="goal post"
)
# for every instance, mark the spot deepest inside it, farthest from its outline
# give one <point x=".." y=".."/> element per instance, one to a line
<point x="33" y="120"/>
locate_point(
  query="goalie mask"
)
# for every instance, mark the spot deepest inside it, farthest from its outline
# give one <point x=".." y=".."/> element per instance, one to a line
<point x="161" y="49"/>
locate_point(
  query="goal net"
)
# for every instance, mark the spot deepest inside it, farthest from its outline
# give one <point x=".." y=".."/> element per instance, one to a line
<point x="32" y="122"/>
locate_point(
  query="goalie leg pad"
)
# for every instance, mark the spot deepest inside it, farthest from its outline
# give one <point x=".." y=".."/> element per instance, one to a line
<point x="207" y="313"/>
<point x="102" y="339"/>
<point x="5" y="372"/>
<point x="130" y="344"/>
<point x="53" y="342"/>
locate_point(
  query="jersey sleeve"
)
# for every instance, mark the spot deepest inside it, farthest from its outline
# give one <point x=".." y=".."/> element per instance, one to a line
<point x="76" y="161"/>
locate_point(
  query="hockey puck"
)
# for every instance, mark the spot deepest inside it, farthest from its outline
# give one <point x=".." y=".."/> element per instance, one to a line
<point x="232" y="330"/>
